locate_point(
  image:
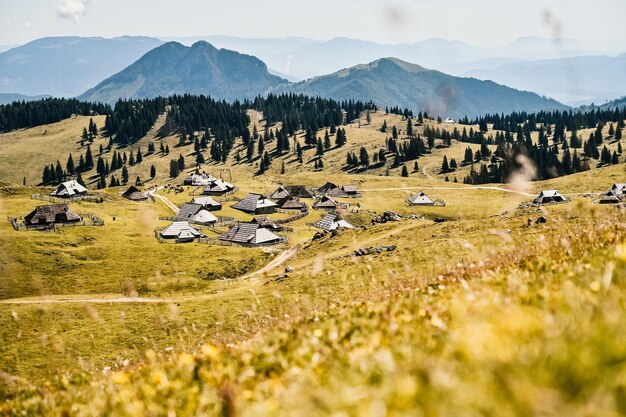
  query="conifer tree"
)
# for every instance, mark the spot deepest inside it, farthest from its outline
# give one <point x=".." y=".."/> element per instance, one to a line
<point x="152" y="171"/>
<point x="364" y="158"/>
<point x="125" y="174"/>
<point x="405" y="171"/>
<point x="69" y="166"/>
<point x="444" y="165"/>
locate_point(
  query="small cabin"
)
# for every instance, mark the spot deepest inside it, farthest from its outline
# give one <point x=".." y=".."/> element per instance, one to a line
<point x="420" y="199"/>
<point x="350" y="190"/>
<point x="251" y="235"/>
<point x="609" y="197"/>
<point x="134" y="194"/>
<point x="325" y="203"/>
<point x="332" y="190"/>
<point x="195" y="213"/>
<point x="331" y="222"/>
<point x="69" y="189"/>
<point x="181" y="231"/>
<point x="291" y="203"/>
<point x="208" y="203"/>
<point x="198" y="179"/>
<point x="256" y="204"/>
<point x="299" y="191"/>
<point x="550" y="197"/>
<point x="218" y="187"/>
<point x="50" y="215"/>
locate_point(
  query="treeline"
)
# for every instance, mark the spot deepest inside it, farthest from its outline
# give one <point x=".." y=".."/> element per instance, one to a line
<point x="21" y="114"/>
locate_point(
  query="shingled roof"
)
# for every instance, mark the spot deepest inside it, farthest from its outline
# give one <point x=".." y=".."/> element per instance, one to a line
<point x="218" y="187"/>
<point x="325" y="202"/>
<point x="299" y="191"/>
<point x="50" y="214"/>
<point x="254" y="203"/>
<point x="180" y="230"/>
<point x="195" y="213"/>
<point x="133" y="193"/>
<point x="549" y="196"/>
<point x="266" y="223"/>
<point x="208" y="202"/>
<point x="420" y="199"/>
<point x="332" y="222"/>
<point x="291" y="203"/>
<point x="69" y="189"/>
<point x="280" y="193"/>
<point x="250" y="234"/>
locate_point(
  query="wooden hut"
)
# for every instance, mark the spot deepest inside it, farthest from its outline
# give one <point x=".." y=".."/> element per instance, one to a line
<point x="195" y="213"/>
<point x="218" y="187"/>
<point x="50" y="215"/>
<point x="325" y="203"/>
<point x="134" y="194"/>
<point x="420" y="199"/>
<point x="181" y="231"/>
<point x="549" y="196"/>
<point x="69" y="189"/>
<point x="250" y="235"/>
<point x="256" y="204"/>
<point x="331" y="222"/>
<point x="208" y="202"/>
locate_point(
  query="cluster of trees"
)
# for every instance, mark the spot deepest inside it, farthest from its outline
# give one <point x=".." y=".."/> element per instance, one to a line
<point x="20" y="114"/>
<point x="132" y="119"/>
<point x="176" y="167"/>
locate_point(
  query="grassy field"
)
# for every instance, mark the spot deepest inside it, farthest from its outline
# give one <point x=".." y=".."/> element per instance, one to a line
<point x="478" y="315"/>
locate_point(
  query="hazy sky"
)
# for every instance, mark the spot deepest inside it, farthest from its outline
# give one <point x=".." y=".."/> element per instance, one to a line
<point x="482" y="22"/>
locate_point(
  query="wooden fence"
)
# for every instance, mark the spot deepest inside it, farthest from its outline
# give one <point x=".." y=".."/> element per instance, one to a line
<point x="18" y="223"/>
<point x="51" y="199"/>
<point x="293" y="218"/>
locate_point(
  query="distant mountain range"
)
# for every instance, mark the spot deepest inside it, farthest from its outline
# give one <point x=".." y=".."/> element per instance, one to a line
<point x="173" y="68"/>
<point x="67" y="66"/>
<point x="567" y="70"/>
<point x="574" y="81"/>
<point x="7" y="98"/>
<point x="391" y="82"/>
<point x="202" y="69"/>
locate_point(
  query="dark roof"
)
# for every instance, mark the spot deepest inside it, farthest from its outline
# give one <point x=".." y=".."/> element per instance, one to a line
<point x="327" y="187"/>
<point x="279" y="193"/>
<point x="325" y="202"/>
<point x="290" y="203"/>
<point x="349" y="188"/>
<point x="249" y="233"/>
<point x="266" y="223"/>
<point x="53" y="213"/>
<point x="133" y="193"/>
<point x="299" y="191"/>
<point x="188" y="211"/>
<point x="252" y="202"/>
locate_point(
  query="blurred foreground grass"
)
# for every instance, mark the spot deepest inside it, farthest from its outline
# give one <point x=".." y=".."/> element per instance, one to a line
<point x="538" y="330"/>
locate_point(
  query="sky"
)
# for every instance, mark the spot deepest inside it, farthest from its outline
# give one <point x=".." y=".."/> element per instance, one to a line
<point x="479" y="22"/>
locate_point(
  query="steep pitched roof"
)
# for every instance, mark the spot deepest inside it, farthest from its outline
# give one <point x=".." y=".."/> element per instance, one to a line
<point x="609" y="198"/>
<point x="180" y="230"/>
<point x="266" y="223"/>
<point x="332" y="222"/>
<point x="52" y="213"/>
<point x="290" y="203"/>
<point x="549" y="196"/>
<point x="325" y="202"/>
<point x="218" y="186"/>
<point x="280" y="193"/>
<point x="207" y="201"/>
<point x="195" y="212"/>
<point x="619" y="188"/>
<point x="253" y="202"/>
<point x="249" y="233"/>
<point x="299" y="191"/>
<point x="69" y="189"/>
<point x="133" y="193"/>
<point x="327" y="187"/>
<point x="420" y="199"/>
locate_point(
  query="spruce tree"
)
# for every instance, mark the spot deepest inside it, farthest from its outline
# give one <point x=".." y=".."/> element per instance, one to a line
<point x="125" y="174"/>
<point x="444" y="165"/>
<point x="152" y="171"/>
<point x="69" y="166"/>
<point x="405" y="171"/>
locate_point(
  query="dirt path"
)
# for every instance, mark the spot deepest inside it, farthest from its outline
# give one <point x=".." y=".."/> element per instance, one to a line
<point x="65" y="300"/>
<point x="165" y="200"/>
<point x="276" y="262"/>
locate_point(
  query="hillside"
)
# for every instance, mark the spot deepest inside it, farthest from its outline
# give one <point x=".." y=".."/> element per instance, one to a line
<point x="72" y="64"/>
<point x="392" y="82"/>
<point x="6" y="98"/>
<point x="200" y="69"/>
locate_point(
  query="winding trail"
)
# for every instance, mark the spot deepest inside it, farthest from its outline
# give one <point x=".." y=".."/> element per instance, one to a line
<point x="276" y="262"/>
<point x="164" y="199"/>
<point x="67" y="300"/>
